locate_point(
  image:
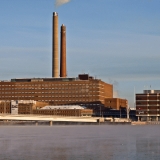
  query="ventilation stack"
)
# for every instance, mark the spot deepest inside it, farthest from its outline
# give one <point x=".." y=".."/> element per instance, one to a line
<point x="63" y="72"/>
<point x="55" y="64"/>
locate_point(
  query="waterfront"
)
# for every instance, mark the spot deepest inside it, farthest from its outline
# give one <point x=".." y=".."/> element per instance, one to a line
<point x="80" y="142"/>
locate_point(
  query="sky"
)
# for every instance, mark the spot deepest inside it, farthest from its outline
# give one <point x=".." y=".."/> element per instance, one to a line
<point x="117" y="41"/>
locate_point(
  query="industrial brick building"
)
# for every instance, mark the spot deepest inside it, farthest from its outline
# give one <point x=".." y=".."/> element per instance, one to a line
<point x="83" y="90"/>
<point x="42" y="108"/>
<point x="148" y="105"/>
<point x="73" y="110"/>
<point x="65" y="112"/>
<point x="116" y="103"/>
<point x="27" y="106"/>
<point x="5" y="107"/>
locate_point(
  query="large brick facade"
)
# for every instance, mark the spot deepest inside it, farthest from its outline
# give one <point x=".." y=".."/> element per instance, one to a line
<point x="116" y="103"/>
<point x="57" y="91"/>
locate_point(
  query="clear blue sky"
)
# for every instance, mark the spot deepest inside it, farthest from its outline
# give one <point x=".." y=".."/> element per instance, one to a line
<point x="117" y="41"/>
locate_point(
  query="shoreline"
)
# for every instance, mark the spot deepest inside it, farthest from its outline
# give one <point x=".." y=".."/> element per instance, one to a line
<point x="40" y="123"/>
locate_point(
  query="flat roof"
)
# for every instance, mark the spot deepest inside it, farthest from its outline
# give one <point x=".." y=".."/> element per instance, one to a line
<point x="42" y="79"/>
<point x="64" y="107"/>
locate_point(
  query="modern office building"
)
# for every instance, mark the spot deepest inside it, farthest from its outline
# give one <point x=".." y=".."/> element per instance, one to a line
<point x="148" y="105"/>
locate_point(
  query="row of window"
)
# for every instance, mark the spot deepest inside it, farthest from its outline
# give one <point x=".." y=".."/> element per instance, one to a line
<point x="53" y="84"/>
<point x="73" y="92"/>
<point x="59" y="98"/>
<point x="51" y="95"/>
<point x="80" y="88"/>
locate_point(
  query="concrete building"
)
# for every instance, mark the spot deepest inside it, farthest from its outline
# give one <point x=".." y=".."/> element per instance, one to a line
<point x="148" y="105"/>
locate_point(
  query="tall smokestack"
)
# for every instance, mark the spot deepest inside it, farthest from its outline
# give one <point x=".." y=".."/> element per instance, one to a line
<point x="63" y="52"/>
<point x="55" y="68"/>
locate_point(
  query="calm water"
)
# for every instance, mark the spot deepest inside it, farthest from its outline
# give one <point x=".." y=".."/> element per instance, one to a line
<point x="80" y="142"/>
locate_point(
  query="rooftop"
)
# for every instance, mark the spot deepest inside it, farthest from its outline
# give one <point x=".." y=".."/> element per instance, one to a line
<point x="80" y="77"/>
<point x="64" y="107"/>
